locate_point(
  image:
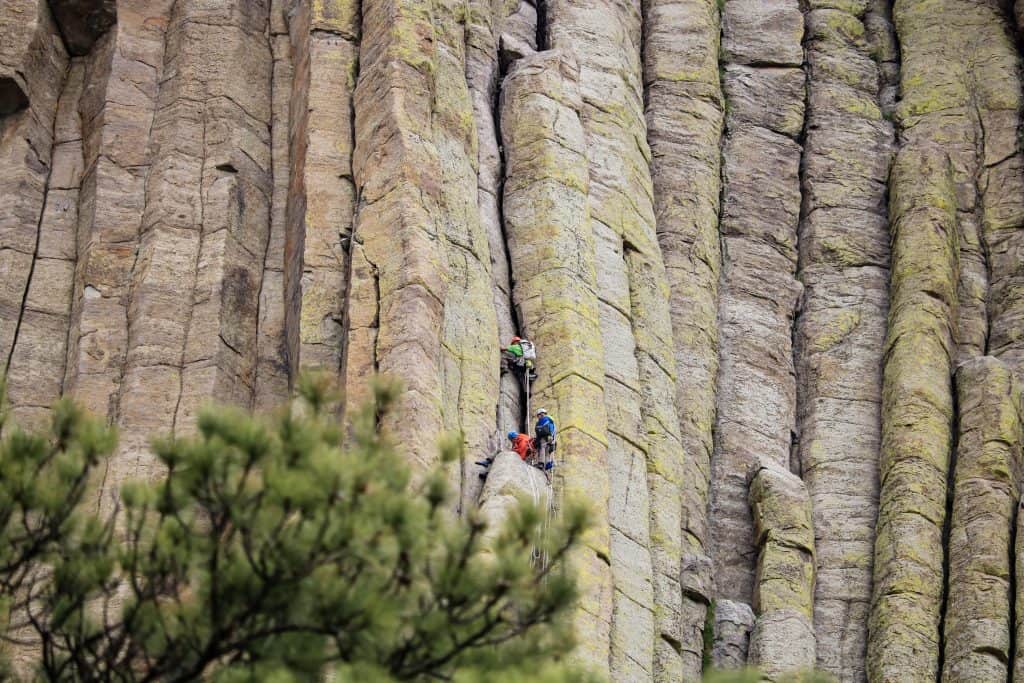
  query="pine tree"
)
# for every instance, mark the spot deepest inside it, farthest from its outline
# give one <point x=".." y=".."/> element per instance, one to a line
<point x="274" y="550"/>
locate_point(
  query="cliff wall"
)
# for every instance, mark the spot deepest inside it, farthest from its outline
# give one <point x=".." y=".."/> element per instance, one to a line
<point x="771" y="253"/>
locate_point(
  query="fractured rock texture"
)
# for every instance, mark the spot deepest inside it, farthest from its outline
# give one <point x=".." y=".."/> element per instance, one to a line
<point x="754" y="241"/>
<point x="985" y="494"/>
<point x="840" y="331"/>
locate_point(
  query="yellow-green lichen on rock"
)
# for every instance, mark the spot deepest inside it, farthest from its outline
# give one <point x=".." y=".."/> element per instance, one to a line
<point x="547" y="217"/>
<point x="645" y="452"/>
<point x="682" y="89"/>
<point x="782" y="641"/>
<point x="917" y="419"/>
<point x="399" y="289"/>
<point x="977" y="633"/>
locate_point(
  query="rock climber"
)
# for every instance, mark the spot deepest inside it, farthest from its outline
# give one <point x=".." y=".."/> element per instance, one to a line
<point x="519" y="355"/>
<point x="545" y="427"/>
<point x="521" y="444"/>
<point x="544" y="443"/>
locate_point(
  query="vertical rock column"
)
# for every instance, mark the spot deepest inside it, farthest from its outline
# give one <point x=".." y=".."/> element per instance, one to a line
<point x="421" y="301"/>
<point x="396" y="291"/>
<point x="1018" y="598"/>
<point x="961" y="91"/>
<point x="33" y="63"/>
<point x="469" y="335"/>
<point x="986" y="490"/>
<point x="764" y="87"/>
<point x="998" y="102"/>
<point x="783" y="638"/>
<point x="321" y="196"/>
<point x="117" y="107"/>
<point x="645" y="452"/>
<point x="844" y="267"/>
<point x="684" y="127"/>
<point x="195" y="284"/>
<point x="273" y="367"/>
<point x="546" y="219"/>
<point x="484" y="33"/>
<point x="35" y="378"/>
<point x="917" y="415"/>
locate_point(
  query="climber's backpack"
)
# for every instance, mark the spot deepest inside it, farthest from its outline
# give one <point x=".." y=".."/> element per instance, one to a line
<point x="529" y="352"/>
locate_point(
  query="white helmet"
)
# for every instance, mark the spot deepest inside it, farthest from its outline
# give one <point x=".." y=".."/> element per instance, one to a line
<point x="541" y="411"/>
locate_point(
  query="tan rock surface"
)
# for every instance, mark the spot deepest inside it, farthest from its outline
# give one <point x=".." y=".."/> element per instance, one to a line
<point x="687" y="204"/>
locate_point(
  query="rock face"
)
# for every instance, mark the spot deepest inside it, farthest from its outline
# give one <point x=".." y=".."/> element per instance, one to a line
<point x="782" y="641"/>
<point x="771" y="253"/>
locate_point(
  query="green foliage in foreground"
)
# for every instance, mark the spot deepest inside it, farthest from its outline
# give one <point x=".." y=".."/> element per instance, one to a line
<point x="272" y="551"/>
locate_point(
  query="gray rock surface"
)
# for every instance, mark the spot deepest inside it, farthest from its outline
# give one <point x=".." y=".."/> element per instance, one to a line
<point x="733" y="622"/>
<point x="844" y="257"/>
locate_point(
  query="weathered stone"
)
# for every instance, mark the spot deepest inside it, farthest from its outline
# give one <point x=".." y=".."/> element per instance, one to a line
<point x="759" y="292"/>
<point x="117" y="107"/>
<point x="82" y="22"/>
<point x="782" y="641"/>
<point x="964" y="96"/>
<point x="840" y="332"/>
<point x="546" y="216"/>
<point x="986" y="489"/>
<point x="33" y="63"/>
<point x="782" y="644"/>
<point x="273" y="360"/>
<point x="732" y="626"/>
<point x="510" y="481"/>
<point x="35" y="376"/>
<point x="470" y="366"/>
<point x="917" y="414"/>
<point x="321" y="196"/>
<point x="645" y="447"/>
<point x="398" y="289"/>
<point x="684" y="123"/>
<point x="1018" y="598"/>
<point x="205" y="229"/>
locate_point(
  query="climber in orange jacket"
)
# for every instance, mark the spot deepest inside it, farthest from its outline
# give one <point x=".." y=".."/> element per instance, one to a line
<point x="521" y="444"/>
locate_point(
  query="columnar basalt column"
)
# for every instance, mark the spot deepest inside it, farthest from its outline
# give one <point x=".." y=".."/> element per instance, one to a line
<point x="273" y="367"/>
<point x="397" y="289"/>
<point x="645" y="456"/>
<point x="33" y="64"/>
<point x="35" y="376"/>
<point x="986" y="488"/>
<point x="782" y="641"/>
<point x="204" y="229"/>
<point x="321" y="197"/>
<point x="491" y="23"/>
<point x="917" y="419"/>
<point x="546" y="217"/>
<point x="840" y="332"/>
<point x="122" y="77"/>
<point x="764" y="88"/>
<point x="684" y="127"/>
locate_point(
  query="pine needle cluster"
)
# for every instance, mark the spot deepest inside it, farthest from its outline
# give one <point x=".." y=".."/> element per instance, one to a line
<point x="279" y="549"/>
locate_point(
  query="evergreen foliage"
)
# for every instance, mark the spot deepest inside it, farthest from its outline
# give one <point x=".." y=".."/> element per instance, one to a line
<point x="273" y="550"/>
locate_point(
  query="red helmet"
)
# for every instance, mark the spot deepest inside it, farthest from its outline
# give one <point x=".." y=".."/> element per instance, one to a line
<point x="516" y="340"/>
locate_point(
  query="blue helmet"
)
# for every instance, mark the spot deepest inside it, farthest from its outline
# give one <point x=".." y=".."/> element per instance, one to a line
<point x="513" y="435"/>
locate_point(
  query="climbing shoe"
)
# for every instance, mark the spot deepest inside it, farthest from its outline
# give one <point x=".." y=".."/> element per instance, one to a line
<point x="485" y="463"/>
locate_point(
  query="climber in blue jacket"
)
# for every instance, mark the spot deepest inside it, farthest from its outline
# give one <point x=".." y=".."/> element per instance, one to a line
<point x="544" y="432"/>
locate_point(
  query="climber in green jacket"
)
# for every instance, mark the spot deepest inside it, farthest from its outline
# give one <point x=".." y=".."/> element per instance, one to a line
<point x="519" y="355"/>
